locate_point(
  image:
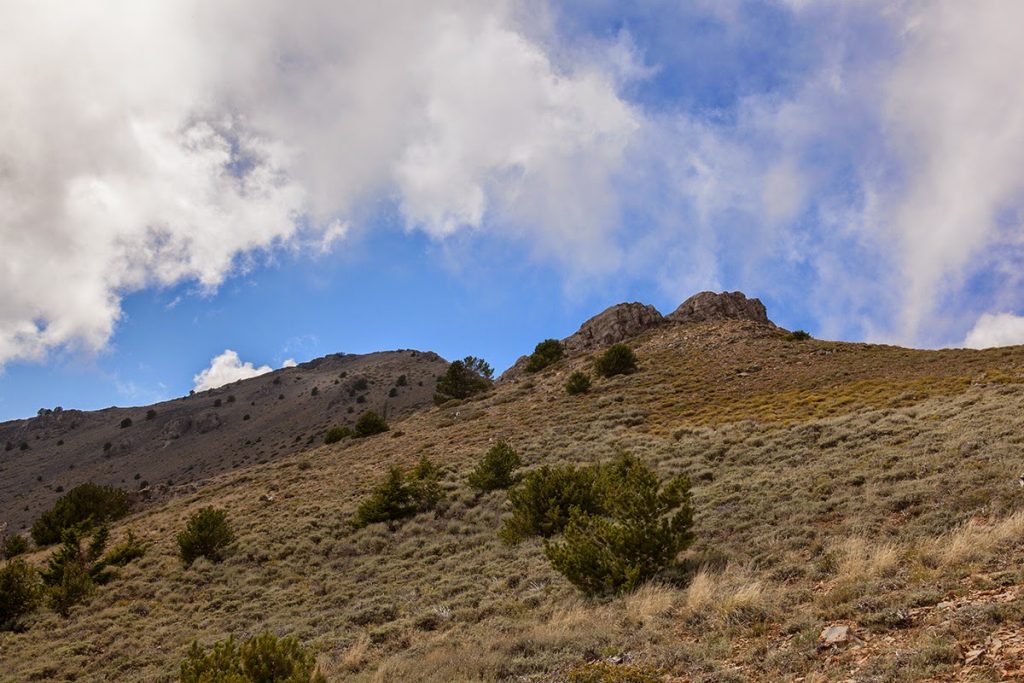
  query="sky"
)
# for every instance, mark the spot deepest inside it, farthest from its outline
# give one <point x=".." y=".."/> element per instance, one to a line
<point x="195" y="192"/>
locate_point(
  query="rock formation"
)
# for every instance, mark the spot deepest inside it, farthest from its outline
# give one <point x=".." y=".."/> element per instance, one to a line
<point x="615" y="324"/>
<point x="708" y="306"/>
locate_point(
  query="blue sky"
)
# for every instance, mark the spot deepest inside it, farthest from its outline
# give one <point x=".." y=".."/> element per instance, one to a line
<point x="179" y="180"/>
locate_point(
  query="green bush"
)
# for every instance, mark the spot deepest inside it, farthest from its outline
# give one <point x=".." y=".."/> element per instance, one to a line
<point x="496" y="469"/>
<point x="798" y="335"/>
<point x="544" y="354"/>
<point x="126" y="423"/>
<point x="403" y="494"/>
<point x="85" y="505"/>
<point x="150" y="414"/>
<point x="336" y="434"/>
<point x="617" y="360"/>
<point x="261" y="659"/>
<point x="579" y="383"/>
<point x="542" y="501"/>
<point x="464" y="378"/>
<point x="20" y="593"/>
<point x="73" y="570"/>
<point x="361" y="384"/>
<point x="207" y="534"/>
<point x="368" y="424"/>
<point x="639" y="530"/>
<point x="15" y="545"/>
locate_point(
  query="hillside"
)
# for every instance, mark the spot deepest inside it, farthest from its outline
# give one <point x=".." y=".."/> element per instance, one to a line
<point x="835" y="484"/>
<point x="171" y="446"/>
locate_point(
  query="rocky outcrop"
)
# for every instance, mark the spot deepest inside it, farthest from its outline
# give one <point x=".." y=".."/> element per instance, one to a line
<point x="613" y="325"/>
<point x="709" y="306"/>
<point x="176" y="428"/>
<point x="208" y="422"/>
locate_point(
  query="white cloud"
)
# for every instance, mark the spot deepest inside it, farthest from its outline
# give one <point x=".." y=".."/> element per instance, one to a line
<point x="146" y="144"/>
<point x="999" y="329"/>
<point x="956" y="114"/>
<point x="227" y="368"/>
<point x="289" y="363"/>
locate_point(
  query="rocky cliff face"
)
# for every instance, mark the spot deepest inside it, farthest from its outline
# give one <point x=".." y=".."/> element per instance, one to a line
<point x="613" y="325"/>
<point x="709" y="306"/>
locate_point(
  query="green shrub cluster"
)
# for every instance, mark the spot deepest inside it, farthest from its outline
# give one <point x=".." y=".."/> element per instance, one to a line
<point x="85" y="505"/>
<point x="544" y="354"/>
<point x="403" y="494"/>
<point x="578" y="383"/>
<point x="368" y="424"/>
<point x="207" y="534"/>
<point x="497" y="468"/>
<point x="336" y="434"/>
<point x="20" y="593"/>
<point x="15" y="545"/>
<point x="542" y="501"/>
<point x="620" y="526"/>
<point x="75" y="569"/>
<point x="798" y="335"/>
<point x="619" y="359"/>
<point x="261" y="659"/>
<point x="640" y="528"/>
<point x="464" y="378"/>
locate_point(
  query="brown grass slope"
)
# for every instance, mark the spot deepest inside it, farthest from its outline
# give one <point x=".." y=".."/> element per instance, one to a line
<point x="195" y="437"/>
<point x="869" y="486"/>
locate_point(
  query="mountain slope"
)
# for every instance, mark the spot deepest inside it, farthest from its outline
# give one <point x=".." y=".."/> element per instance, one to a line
<point x="855" y="485"/>
<point x="174" y="444"/>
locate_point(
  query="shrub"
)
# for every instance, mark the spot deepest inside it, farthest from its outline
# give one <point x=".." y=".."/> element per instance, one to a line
<point x="403" y="494"/>
<point x="617" y="360"/>
<point x="401" y="381"/>
<point x="361" y="384"/>
<point x="125" y="423"/>
<point x="544" y="354"/>
<point x="336" y="434"/>
<point x="261" y="659"/>
<point x="495" y="470"/>
<point x="798" y="335"/>
<point x="73" y="571"/>
<point x="541" y="502"/>
<point x="315" y="391"/>
<point x="20" y="593"/>
<point x="368" y="424"/>
<point x="231" y="398"/>
<point x="84" y="505"/>
<point x="150" y="414"/>
<point x="579" y="383"/>
<point x="639" y="530"/>
<point x="393" y="392"/>
<point x="218" y="403"/>
<point x="207" y="534"/>
<point x="464" y="378"/>
<point x="15" y="545"/>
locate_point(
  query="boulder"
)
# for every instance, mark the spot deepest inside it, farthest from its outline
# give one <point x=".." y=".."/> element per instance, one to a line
<point x="709" y="306"/>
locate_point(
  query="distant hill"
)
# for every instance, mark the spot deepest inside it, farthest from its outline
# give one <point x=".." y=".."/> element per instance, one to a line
<point x="174" y="445"/>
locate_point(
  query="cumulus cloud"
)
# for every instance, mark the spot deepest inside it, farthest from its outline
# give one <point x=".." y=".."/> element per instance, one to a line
<point x="999" y="329"/>
<point x="144" y="145"/>
<point x="227" y="368"/>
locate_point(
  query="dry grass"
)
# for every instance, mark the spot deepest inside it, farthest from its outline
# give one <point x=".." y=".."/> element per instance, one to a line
<point x="833" y="482"/>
